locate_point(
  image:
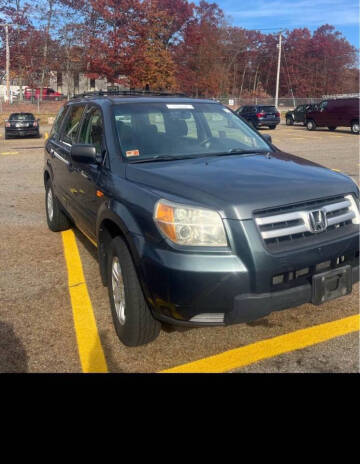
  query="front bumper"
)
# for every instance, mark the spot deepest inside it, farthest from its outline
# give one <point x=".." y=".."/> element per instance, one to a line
<point x="219" y="288"/>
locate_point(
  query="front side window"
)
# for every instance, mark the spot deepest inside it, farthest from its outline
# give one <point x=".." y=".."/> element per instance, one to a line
<point x="92" y="130"/>
<point x="323" y="105"/>
<point x="71" y="125"/>
<point x="147" y="130"/>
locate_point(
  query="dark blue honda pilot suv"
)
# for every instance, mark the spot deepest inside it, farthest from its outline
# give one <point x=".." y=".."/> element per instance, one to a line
<point x="197" y="218"/>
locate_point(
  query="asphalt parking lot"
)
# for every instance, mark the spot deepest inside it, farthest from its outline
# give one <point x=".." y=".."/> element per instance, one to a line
<point x="38" y="328"/>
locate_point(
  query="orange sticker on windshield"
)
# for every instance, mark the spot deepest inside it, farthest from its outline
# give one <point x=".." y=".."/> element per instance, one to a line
<point x="132" y="153"/>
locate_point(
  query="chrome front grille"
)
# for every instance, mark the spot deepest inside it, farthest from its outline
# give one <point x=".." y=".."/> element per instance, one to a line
<point x="282" y="225"/>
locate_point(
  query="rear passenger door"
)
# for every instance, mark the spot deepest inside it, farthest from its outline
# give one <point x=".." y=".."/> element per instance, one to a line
<point x="68" y="136"/>
<point x="56" y="164"/>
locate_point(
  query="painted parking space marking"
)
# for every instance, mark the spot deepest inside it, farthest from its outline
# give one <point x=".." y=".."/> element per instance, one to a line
<point x="8" y="153"/>
<point x="265" y="349"/>
<point x="337" y="170"/>
<point x="91" y="353"/>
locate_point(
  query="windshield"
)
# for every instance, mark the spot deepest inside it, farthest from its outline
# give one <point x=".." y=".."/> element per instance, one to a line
<point x="21" y="116"/>
<point x="148" y="130"/>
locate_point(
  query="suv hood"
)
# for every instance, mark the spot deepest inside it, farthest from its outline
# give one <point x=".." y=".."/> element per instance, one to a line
<point x="237" y="185"/>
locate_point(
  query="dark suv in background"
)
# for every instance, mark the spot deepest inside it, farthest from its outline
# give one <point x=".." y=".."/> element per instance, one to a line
<point x="298" y="114"/>
<point x="333" y="113"/>
<point x="260" y="115"/>
<point x="197" y="219"/>
<point x="22" y="124"/>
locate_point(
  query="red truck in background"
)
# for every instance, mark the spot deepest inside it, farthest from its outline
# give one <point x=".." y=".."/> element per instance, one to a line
<point x="47" y="94"/>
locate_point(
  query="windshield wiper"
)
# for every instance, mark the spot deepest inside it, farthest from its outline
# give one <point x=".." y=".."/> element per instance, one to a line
<point x="237" y="151"/>
<point x="160" y="158"/>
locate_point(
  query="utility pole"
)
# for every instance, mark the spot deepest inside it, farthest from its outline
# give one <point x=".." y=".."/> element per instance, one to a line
<point x="6" y="26"/>
<point x="278" y="71"/>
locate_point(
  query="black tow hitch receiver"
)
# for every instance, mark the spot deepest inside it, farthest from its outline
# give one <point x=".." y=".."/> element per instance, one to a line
<point x="331" y="284"/>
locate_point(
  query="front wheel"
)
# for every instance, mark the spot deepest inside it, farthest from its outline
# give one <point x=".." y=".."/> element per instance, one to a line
<point x="355" y="127"/>
<point x="289" y="121"/>
<point x="132" y="318"/>
<point x="310" y="125"/>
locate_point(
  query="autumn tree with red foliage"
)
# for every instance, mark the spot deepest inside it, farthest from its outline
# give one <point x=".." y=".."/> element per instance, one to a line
<point x="175" y="45"/>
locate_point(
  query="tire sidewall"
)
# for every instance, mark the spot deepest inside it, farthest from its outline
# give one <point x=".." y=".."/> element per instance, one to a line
<point x="49" y="187"/>
<point x="310" y="125"/>
<point x="127" y="332"/>
<point x="353" y="126"/>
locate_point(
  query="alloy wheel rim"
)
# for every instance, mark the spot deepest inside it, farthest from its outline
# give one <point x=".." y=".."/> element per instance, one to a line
<point x="118" y="290"/>
<point x="356" y="127"/>
<point x="50" y="204"/>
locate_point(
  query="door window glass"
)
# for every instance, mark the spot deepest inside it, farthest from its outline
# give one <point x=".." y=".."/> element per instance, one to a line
<point x="57" y="123"/>
<point x="92" y="130"/>
<point x="72" y="123"/>
<point x="323" y="105"/>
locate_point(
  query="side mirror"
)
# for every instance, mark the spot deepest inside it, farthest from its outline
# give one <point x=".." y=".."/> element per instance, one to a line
<point x="267" y="138"/>
<point x="83" y="153"/>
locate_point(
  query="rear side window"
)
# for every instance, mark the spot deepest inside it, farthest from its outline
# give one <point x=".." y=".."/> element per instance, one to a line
<point x="57" y="123"/>
<point x="71" y="125"/>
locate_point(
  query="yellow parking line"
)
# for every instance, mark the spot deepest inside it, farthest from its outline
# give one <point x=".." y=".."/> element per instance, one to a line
<point x="90" y="349"/>
<point x="6" y="153"/>
<point x="337" y="170"/>
<point x="265" y="349"/>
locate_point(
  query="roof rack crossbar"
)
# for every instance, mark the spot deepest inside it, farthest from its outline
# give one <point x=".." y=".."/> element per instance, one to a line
<point x="125" y="93"/>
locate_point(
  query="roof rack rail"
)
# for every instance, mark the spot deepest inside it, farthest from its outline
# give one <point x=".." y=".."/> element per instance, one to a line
<point x="128" y="93"/>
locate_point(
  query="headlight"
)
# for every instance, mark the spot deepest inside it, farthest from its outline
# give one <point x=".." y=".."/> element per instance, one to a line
<point x="190" y="226"/>
<point x="354" y="208"/>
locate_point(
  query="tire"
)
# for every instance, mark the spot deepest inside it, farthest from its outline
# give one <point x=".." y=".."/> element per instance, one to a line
<point x="289" y="121"/>
<point x="57" y="219"/>
<point x="272" y="127"/>
<point x="331" y="128"/>
<point x="355" y="127"/>
<point x="133" y="321"/>
<point x="310" y="125"/>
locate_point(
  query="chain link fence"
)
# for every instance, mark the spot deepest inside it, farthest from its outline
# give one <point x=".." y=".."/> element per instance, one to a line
<point x="283" y="103"/>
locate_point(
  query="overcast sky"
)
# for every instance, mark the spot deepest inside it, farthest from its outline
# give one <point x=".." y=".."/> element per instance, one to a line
<point x="275" y="14"/>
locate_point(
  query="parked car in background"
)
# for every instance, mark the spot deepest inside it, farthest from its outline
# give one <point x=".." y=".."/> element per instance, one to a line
<point x="298" y="114"/>
<point x="333" y="113"/>
<point x="260" y="115"/>
<point x="47" y="94"/>
<point x="22" y="124"/>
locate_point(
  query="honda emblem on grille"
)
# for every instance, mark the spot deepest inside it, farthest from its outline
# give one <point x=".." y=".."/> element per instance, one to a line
<point x="317" y="220"/>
